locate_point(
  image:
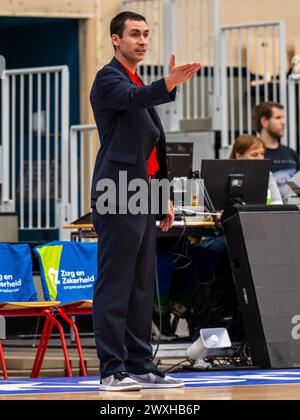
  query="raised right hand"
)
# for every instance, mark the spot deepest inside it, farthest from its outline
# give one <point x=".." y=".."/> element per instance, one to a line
<point x="180" y="74"/>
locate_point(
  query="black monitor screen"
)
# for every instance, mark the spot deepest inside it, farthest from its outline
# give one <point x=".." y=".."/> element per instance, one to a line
<point x="229" y="182"/>
<point x="179" y="166"/>
<point x="180" y="160"/>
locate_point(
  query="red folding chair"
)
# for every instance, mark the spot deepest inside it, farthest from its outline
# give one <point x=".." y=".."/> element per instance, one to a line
<point x="22" y="302"/>
<point x="82" y="307"/>
<point x="39" y="309"/>
<point x="2" y="362"/>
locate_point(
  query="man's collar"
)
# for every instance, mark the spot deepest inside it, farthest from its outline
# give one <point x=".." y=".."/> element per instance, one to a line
<point x="134" y="76"/>
<point x="116" y="64"/>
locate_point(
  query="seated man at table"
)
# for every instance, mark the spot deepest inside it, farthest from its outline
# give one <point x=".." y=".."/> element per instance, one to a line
<point x="270" y="124"/>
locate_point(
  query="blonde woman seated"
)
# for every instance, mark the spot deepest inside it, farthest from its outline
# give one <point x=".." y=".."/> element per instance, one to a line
<point x="251" y="147"/>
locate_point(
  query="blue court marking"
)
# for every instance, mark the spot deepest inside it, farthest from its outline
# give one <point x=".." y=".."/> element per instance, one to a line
<point x="191" y="380"/>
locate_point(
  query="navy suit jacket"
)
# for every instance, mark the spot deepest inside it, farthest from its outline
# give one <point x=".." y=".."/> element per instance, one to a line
<point x="128" y="125"/>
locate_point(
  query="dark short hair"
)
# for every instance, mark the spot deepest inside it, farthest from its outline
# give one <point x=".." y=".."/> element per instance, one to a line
<point x="265" y="109"/>
<point x="117" y="25"/>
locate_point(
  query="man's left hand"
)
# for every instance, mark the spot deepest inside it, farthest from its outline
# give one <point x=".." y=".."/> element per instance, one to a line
<point x="168" y="221"/>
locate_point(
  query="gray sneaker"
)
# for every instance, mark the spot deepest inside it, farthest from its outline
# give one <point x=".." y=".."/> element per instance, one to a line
<point x="157" y="380"/>
<point x="121" y="381"/>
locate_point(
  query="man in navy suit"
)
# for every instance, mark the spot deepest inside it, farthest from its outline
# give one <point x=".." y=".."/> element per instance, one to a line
<point x="133" y="144"/>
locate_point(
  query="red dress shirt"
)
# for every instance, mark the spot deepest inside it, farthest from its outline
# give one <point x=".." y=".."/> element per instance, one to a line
<point x="152" y="165"/>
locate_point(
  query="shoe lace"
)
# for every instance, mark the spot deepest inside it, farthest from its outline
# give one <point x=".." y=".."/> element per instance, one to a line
<point x="158" y="373"/>
<point x="121" y="375"/>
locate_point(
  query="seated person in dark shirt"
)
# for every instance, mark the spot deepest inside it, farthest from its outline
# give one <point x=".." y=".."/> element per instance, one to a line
<point x="270" y="124"/>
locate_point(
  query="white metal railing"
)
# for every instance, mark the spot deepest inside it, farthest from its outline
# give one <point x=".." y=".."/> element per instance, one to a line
<point x="34" y="143"/>
<point x="160" y="15"/>
<point x="46" y="167"/>
<point x="82" y="160"/>
<point x="190" y="29"/>
<point x="294" y="112"/>
<point x="198" y="26"/>
<point x="253" y="69"/>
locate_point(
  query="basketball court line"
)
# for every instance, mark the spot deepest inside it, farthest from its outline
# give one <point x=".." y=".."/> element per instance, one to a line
<point x="191" y="380"/>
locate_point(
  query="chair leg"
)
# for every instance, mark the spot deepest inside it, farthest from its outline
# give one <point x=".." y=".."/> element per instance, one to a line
<point x="41" y="351"/>
<point x="2" y="361"/>
<point x="63" y="343"/>
<point x="77" y="339"/>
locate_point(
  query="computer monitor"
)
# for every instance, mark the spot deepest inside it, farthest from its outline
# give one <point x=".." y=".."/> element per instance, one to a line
<point x="180" y="160"/>
<point x="230" y="182"/>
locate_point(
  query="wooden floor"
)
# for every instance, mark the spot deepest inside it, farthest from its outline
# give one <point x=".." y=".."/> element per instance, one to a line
<point x="271" y="392"/>
<point x="20" y="361"/>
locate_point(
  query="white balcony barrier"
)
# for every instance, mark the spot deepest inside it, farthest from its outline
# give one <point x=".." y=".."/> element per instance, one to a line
<point x="188" y="28"/>
<point x="294" y="112"/>
<point x="46" y="168"/>
<point x="34" y="143"/>
<point x="83" y="143"/>
<point x="253" y="69"/>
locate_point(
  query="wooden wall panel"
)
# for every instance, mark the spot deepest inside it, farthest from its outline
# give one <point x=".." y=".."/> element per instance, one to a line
<point x="49" y="8"/>
<point x="193" y="28"/>
<point x="192" y="18"/>
<point x="106" y="10"/>
<point x="237" y="11"/>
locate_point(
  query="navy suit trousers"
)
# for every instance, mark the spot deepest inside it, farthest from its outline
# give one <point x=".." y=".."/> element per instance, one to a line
<point x="124" y="291"/>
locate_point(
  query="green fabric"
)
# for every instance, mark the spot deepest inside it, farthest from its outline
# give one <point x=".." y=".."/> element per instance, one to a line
<point x="50" y="257"/>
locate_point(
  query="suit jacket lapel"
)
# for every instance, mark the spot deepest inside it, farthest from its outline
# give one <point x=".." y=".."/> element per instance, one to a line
<point x="153" y="113"/>
<point x="115" y="63"/>
<point x="155" y="117"/>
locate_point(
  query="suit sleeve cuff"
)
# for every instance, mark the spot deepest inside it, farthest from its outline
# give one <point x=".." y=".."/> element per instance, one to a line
<point x="172" y="94"/>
